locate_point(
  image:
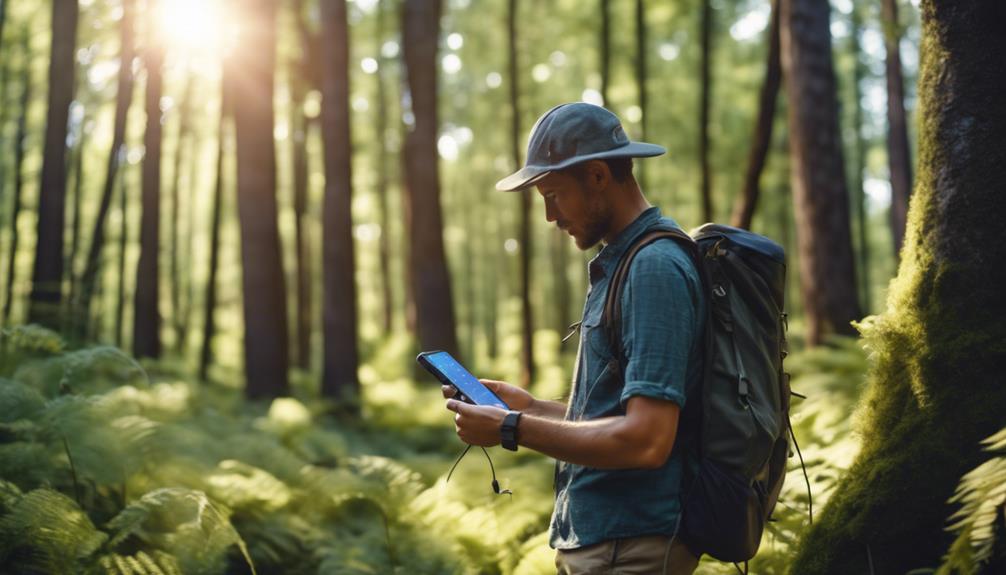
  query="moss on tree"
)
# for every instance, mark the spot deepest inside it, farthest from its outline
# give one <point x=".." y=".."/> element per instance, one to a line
<point x="937" y="386"/>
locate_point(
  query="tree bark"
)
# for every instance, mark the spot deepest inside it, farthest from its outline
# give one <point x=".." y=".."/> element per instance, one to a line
<point x="3" y="18"/>
<point x="384" y="247"/>
<point x="527" y="327"/>
<point x="339" y="379"/>
<point x="299" y="124"/>
<point x="123" y="98"/>
<point x="761" y="142"/>
<point x="181" y="143"/>
<point x="47" y="276"/>
<point x="263" y="282"/>
<point x="898" y="152"/>
<point x="210" y="303"/>
<point x="859" y="168"/>
<point x="936" y="387"/>
<point x="641" y="81"/>
<point x="146" y="315"/>
<point x="19" y="153"/>
<point x="705" y="34"/>
<point x="120" y="299"/>
<point x="605" y="51"/>
<point x="827" y="272"/>
<point x="78" y="187"/>
<point x="431" y="280"/>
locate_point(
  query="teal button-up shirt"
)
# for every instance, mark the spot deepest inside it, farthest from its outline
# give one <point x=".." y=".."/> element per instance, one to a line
<point x="662" y="321"/>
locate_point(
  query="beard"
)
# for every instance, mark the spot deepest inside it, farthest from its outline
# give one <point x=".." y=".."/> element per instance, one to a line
<point x="597" y="223"/>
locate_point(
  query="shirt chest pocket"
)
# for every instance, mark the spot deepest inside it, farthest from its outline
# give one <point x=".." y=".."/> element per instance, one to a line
<point x="600" y="386"/>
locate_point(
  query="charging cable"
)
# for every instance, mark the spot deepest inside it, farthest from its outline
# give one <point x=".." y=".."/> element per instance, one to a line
<point x="496" y="484"/>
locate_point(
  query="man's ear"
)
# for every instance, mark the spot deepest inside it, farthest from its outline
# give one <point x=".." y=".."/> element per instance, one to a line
<point x="597" y="174"/>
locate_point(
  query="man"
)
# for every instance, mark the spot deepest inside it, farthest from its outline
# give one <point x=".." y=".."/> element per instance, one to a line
<point x="619" y="469"/>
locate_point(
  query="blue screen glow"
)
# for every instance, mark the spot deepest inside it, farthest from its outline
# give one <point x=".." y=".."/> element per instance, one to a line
<point x="463" y="380"/>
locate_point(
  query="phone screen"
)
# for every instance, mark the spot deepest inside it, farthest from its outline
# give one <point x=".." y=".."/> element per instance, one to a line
<point x="455" y="374"/>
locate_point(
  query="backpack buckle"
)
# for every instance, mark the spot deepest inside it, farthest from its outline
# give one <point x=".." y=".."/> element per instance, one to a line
<point x="742" y="391"/>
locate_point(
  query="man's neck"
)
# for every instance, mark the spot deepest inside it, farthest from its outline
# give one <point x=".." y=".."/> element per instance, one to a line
<point x="626" y="206"/>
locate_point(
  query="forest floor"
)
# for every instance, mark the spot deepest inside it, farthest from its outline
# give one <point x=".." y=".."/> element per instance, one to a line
<point x="112" y="466"/>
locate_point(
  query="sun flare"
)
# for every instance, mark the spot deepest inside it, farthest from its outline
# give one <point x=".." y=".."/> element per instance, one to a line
<point x="193" y="26"/>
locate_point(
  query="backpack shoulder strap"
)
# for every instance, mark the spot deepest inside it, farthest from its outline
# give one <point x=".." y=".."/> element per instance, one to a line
<point x="611" y="317"/>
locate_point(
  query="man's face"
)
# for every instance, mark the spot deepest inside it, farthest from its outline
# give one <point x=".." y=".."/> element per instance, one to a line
<point x="576" y="207"/>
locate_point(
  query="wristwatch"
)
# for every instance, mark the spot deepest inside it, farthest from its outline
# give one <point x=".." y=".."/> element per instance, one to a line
<point x="508" y="430"/>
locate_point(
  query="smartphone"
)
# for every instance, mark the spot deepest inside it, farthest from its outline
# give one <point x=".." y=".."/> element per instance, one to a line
<point x="447" y="369"/>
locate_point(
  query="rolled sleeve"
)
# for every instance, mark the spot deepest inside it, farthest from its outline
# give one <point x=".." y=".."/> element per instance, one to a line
<point x="661" y="322"/>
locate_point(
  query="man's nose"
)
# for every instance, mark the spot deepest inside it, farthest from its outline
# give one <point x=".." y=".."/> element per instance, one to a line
<point x="550" y="211"/>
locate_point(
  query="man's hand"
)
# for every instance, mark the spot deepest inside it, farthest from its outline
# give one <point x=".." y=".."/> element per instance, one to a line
<point x="477" y="424"/>
<point x="517" y="398"/>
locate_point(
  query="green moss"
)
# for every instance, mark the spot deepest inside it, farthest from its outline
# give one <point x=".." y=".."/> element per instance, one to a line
<point x="936" y="389"/>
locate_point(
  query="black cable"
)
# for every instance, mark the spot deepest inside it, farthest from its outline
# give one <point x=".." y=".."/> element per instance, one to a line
<point x="492" y="469"/>
<point x="810" y="497"/>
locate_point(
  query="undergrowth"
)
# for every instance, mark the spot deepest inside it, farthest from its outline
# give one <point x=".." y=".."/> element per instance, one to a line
<point x="111" y="466"/>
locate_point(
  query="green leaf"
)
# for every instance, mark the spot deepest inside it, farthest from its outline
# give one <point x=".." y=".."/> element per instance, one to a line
<point x="184" y="523"/>
<point x="49" y="531"/>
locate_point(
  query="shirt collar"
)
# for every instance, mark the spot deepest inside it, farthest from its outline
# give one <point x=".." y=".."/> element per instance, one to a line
<point x="606" y="260"/>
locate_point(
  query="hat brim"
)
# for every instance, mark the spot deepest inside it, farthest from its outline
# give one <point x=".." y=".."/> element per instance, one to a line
<point x="530" y="175"/>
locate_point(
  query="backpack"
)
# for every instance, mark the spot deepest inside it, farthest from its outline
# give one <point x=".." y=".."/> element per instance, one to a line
<point x="738" y="426"/>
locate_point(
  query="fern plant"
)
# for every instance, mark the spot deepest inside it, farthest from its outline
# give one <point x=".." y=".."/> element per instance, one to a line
<point x="47" y="532"/>
<point x="980" y="546"/>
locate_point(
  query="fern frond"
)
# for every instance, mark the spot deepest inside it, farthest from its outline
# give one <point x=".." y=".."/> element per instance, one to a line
<point x="184" y="523"/>
<point x="239" y="485"/>
<point x="143" y="563"/>
<point x="9" y="495"/>
<point x="50" y="529"/>
<point x="18" y="401"/>
<point x="31" y="339"/>
<point x="981" y="494"/>
<point x="26" y="464"/>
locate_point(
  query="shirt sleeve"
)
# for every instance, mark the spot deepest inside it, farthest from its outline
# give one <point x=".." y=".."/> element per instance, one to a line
<point x="661" y="322"/>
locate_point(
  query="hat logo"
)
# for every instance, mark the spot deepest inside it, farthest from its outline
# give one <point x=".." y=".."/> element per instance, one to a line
<point x="618" y="135"/>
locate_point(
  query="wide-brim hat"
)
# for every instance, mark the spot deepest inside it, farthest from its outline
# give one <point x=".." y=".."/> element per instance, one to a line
<point x="571" y="134"/>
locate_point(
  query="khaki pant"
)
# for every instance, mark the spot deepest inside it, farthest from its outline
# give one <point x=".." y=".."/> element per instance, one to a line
<point x="648" y="555"/>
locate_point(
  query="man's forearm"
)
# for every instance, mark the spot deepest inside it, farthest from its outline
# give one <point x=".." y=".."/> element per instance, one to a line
<point x="607" y="443"/>
<point x="547" y="409"/>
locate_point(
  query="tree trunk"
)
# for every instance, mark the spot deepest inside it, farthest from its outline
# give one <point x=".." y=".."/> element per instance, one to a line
<point x="898" y="152"/>
<point x="747" y="201"/>
<point x="339" y="379"/>
<point x="935" y="390"/>
<point x="78" y="187"/>
<point x="705" y="34"/>
<point x="181" y="142"/>
<point x="527" y="329"/>
<point x="263" y="282"/>
<point x="859" y="193"/>
<point x="123" y="98"/>
<point x="3" y="18"/>
<point x="120" y="299"/>
<point x="47" y="276"/>
<point x="641" y="77"/>
<point x="19" y="153"/>
<point x="146" y="315"/>
<point x="827" y="272"/>
<point x="384" y="247"/>
<point x="210" y="303"/>
<point x="605" y="50"/>
<point x="299" y="123"/>
<point x="431" y="280"/>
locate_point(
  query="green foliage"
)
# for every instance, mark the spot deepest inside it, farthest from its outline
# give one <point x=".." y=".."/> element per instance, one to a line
<point x="142" y="563"/>
<point x="980" y="524"/>
<point x="186" y="479"/>
<point x="183" y="523"/>
<point x="48" y="532"/>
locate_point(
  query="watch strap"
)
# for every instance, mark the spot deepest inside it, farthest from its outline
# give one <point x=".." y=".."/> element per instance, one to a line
<point x="508" y="430"/>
